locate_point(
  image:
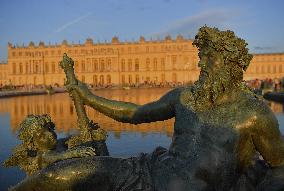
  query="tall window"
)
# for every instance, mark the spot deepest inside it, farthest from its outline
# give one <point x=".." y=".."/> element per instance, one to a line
<point x="76" y="66"/>
<point x="163" y="66"/>
<point x="147" y="64"/>
<point x="109" y="64"/>
<point x="83" y="67"/>
<point x="96" y="66"/>
<point x="129" y="65"/>
<point x="137" y="81"/>
<point x="136" y="64"/>
<point x="108" y="79"/>
<point x="14" y="68"/>
<point x="122" y="79"/>
<point x="53" y="67"/>
<point x="27" y="68"/>
<point x="262" y="69"/>
<point x="95" y="79"/>
<point x="155" y="62"/>
<point x="83" y="78"/>
<point x="163" y="77"/>
<point x="102" y="65"/>
<point x="21" y="68"/>
<point x="102" y="81"/>
<point x="37" y="68"/>
<point x="268" y="71"/>
<point x="174" y="62"/>
<point x="122" y="65"/>
<point x="174" y="77"/>
<point x="46" y="68"/>
<point x="130" y="79"/>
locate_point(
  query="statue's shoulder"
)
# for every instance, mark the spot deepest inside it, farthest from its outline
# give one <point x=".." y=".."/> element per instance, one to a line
<point x="257" y="106"/>
<point x="173" y="96"/>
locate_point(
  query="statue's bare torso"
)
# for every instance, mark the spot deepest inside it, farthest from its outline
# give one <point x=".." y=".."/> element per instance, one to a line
<point x="214" y="144"/>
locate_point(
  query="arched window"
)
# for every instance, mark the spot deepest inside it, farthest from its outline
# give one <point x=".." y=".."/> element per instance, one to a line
<point x="95" y="80"/>
<point x="137" y="80"/>
<point x="108" y="79"/>
<point x="101" y="80"/>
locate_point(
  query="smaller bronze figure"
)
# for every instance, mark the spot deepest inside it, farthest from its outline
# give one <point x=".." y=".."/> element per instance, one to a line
<point x="40" y="147"/>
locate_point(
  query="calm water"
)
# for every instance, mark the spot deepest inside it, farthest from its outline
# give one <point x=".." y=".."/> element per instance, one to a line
<point x="124" y="139"/>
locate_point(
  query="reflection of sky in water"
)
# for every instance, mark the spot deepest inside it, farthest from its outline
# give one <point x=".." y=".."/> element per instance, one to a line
<point x="124" y="139"/>
<point x="280" y="118"/>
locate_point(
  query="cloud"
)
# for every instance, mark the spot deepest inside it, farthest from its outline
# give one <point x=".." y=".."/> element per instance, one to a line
<point x="189" y="25"/>
<point x="77" y="20"/>
<point x="263" y="48"/>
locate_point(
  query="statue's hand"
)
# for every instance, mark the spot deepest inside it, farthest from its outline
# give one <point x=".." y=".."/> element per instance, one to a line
<point x="82" y="89"/>
<point x="82" y="151"/>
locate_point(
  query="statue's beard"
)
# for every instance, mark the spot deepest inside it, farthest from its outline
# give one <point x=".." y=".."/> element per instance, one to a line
<point x="210" y="85"/>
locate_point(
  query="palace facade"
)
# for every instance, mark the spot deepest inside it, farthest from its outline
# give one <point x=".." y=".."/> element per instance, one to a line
<point x="120" y="63"/>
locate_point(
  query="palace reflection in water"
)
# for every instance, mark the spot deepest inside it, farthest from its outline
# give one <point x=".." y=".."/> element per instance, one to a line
<point x="60" y="108"/>
<point x="62" y="111"/>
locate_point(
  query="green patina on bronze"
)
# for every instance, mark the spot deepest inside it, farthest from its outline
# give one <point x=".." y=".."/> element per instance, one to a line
<point x="38" y="147"/>
<point x="220" y="126"/>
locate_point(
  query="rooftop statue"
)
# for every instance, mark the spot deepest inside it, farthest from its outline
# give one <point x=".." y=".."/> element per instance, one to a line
<point x="220" y="126"/>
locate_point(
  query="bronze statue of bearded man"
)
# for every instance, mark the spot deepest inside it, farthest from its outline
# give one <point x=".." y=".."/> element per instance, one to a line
<point x="219" y="127"/>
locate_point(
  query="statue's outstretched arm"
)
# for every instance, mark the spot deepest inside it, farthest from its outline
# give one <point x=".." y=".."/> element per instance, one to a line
<point x="129" y="112"/>
<point x="267" y="140"/>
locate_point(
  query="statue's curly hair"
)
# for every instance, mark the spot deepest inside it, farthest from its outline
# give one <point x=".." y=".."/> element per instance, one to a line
<point x="32" y="124"/>
<point x="232" y="48"/>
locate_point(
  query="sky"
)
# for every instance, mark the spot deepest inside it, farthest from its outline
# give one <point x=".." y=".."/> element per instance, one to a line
<point x="259" y="22"/>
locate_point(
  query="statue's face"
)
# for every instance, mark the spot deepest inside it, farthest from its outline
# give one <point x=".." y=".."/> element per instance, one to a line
<point x="210" y="62"/>
<point x="45" y="139"/>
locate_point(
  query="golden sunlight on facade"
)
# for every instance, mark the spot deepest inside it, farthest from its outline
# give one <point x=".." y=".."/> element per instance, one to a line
<point x="62" y="111"/>
<point x="120" y="63"/>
